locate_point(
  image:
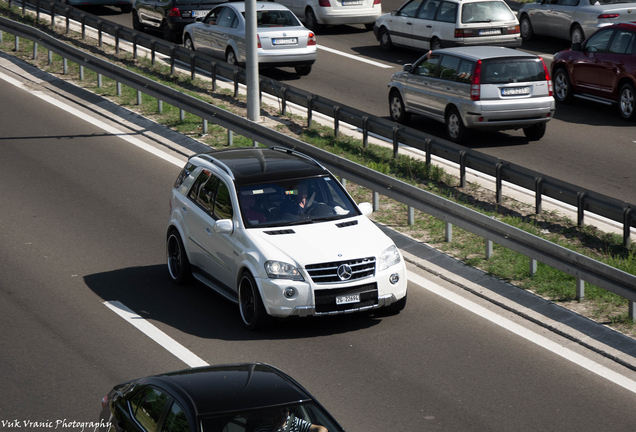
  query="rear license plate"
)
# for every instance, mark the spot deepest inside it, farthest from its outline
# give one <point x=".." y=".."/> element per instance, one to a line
<point x="488" y="32"/>
<point x="513" y="91"/>
<point x="285" y="41"/>
<point x="200" y="13"/>
<point x="345" y="299"/>
<point x="352" y="2"/>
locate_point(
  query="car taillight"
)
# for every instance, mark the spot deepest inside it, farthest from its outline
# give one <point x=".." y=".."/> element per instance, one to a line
<point x="324" y="3"/>
<point x="475" y="84"/>
<point x="104" y="401"/>
<point x="258" y="42"/>
<point x="608" y="16"/>
<point x="375" y="2"/>
<point x="174" y="12"/>
<point x="513" y="30"/>
<point x="547" y="77"/>
<point x="311" y="39"/>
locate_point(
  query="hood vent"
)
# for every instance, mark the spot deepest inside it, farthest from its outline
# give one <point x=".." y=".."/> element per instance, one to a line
<point x="346" y="224"/>
<point x="280" y="232"/>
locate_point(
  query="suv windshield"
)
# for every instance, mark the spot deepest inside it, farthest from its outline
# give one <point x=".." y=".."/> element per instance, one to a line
<point x="484" y="12"/>
<point x="503" y="71"/>
<point x="291" y="202"/>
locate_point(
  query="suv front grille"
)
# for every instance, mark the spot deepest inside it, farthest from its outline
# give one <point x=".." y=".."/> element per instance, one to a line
<point x="328" y="272"/>
<point x="326" y="298"/>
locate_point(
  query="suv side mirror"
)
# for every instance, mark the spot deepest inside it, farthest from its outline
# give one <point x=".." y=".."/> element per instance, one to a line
<point x="224" y="226"/>
<point x="407" y="67"/>
<point x="366" y="208"/>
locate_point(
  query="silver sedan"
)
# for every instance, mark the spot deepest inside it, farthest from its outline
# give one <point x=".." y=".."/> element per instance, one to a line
<point x="572" y="20"/>
<point x="282" y="39"/>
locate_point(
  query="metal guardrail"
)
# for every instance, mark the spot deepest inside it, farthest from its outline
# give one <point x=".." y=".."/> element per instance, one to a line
<point x="534" y="247"/>
<point x="543" y="185"/>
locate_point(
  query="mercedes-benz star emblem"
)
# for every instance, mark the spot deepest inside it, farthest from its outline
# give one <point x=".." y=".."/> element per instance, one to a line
<point x="344" y="272"/>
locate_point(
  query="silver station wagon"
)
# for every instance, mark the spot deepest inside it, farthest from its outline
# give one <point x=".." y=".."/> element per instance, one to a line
<point x="282" y="40"/>
<point x="487" y="88"/>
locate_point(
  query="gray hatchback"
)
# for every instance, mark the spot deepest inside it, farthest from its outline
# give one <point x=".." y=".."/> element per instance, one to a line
<point x="486" y="88"/>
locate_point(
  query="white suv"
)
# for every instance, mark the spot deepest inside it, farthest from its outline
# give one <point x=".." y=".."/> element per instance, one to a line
<point x="434" y="24"/>
<point x="273" y="231"/>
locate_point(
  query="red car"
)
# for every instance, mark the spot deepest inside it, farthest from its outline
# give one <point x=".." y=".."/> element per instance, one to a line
<point x="601" y="69"/>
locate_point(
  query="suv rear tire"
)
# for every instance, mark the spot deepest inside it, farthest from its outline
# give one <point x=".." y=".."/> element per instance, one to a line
<point x="253" y="312"/>
<point x="178" y="263"/>
<point x="627" y="102"/>
<point x="168" y="34"/>
<point x="535" y="132"/>
<point x="455" y="128"/>
<point x="562" y="86"/>
<point x="526" y="28"/>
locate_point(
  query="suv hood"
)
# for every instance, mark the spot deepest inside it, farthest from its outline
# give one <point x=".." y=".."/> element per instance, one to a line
<point x="316" y="243"/>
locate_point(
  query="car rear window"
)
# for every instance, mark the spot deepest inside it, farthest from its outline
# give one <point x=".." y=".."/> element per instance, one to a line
<point x="486" y="12"/>
<point x="503" y="71"/>
<point x="276" y="18"/>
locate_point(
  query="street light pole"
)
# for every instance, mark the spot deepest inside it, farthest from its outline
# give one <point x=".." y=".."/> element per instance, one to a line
<point x="251" y="65"/>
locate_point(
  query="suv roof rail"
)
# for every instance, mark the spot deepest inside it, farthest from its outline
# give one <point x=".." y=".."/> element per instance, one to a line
<point x="297" y="153"/>
<point x="218" y="163"/>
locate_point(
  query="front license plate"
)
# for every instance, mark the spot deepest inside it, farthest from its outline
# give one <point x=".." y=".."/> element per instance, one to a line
<point x="344" y="299"/>
<point x="199" y="13"/>
<point x="488" y="32"/>
<point x="513" y="91"/>
<point x="285" y="41"/>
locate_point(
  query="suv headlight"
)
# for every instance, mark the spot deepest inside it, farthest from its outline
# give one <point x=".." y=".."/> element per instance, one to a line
<point x="282" y="270"/>
<point x="389" y="257"/>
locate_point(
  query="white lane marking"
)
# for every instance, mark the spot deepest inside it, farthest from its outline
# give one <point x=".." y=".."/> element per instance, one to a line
<point x="529" y="335"/>
<point x="96" y="122"/>
<point x="174" y="347"/>
<point x="354" y="57"/>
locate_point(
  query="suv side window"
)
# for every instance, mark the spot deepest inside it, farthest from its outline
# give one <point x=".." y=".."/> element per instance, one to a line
<point x="176" y="420"/>
<point x="622" y="43"/>
<point x="448" y="67"/>
<point x="410" y="9"/>
<point x="427" y="66"/>
<point x="148" y="406"/>
<point x="223" y="203"/>
<point x="599" y="41"/>
<point x="203" y="190"/>
<point x="447" y="12"/>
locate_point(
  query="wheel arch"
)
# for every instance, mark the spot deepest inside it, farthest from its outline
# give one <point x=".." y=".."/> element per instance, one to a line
<point x="172" y="227"/>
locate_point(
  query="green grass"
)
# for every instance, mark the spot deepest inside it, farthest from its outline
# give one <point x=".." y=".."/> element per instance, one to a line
<point x="470" y="248"/>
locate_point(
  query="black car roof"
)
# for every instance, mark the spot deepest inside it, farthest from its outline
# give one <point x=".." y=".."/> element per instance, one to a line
<point x="252" y="165"/>
<point x="237" y="387"/>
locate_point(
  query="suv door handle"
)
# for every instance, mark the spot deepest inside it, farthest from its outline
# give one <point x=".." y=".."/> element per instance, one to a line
<point x="185" y="209"/>
<point x="208" y="232"/>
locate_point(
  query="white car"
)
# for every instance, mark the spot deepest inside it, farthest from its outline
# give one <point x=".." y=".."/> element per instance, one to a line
<point x="573" y="20"/>
<point x="275" y="232"/>
<point x="435" y="24"/>
<point x="282" y="40"/>
<point x="318" y="13"/>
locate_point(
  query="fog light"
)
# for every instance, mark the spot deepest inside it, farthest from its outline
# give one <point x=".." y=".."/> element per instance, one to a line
<point x="289" y="292"/>
<point x="394" y="278"/>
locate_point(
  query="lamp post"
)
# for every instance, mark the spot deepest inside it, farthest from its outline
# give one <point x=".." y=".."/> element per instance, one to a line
<point x="251" y="65"/>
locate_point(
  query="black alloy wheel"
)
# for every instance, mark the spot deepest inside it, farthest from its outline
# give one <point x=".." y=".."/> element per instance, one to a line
<point x="178" y="263"/>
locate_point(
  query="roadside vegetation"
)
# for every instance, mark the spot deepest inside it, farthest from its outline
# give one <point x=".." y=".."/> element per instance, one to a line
<point x="600" y="305"/>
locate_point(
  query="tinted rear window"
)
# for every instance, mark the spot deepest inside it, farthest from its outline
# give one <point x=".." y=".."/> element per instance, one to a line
<point x="486" y="12"/>
<point x="510" y="71"/>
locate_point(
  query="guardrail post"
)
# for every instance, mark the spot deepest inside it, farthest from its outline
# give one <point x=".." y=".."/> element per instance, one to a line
<point x="365" y="132"/>
<point x="411" y="216"/>
<point x="631" y="310"/>
<point x="230" y="137"/>
<point x="205" y="127"/>
<point x="64" y="66"/>
<point x="117" y="39"/>
<point x="81" y="73"/>
<point x="533" y="267"/>
<point x="99" y="80"/>
<point x="67" y="15"/>
<point x="193" y="73"/>
<point x="99" y="35"/>
<point x="580" y="208"/>
<point x="118" y="88"/>
<point x="376" y="201"/>
<point x="138" y="97"/>
<point x="172" y="59"/>
<point x="152" y="52"/>
<point x="283" y="108"/>
<point x="37" y="11"/>
<point x="83" y="21"/>
<point x="50" y="57"/>
<point x="52" y="14"/>
<point x="498" y="174"/>
<point x="35" y="50"/>
<point x="134" y="45"/>
<point x="396" y="133"/>
<point x="336" y="120"/>
<point x="448" y="232"/>
<point x="17" y="43"/>
<point x="23" y="7"/>
<point x="627" y="226"/>
<point x="213" y="73"/>
<point x="427" y="149"/>
<point x="310" y="101"/>
<point x="343" y="182"/>
<point x="538" y="191"/>
<point x="580" y="289"/>
<point x="181" y="114"/>
<point x="488" y="249"/>
<point x="159" y="106"/>
<point x="462" y="169"/>
<point x="236" y="83"/>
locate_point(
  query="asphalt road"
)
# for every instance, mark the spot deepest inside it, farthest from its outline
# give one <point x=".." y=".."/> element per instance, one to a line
<point x="83" y="218"/>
